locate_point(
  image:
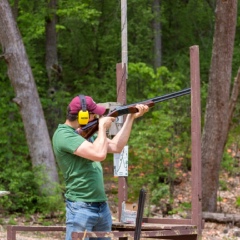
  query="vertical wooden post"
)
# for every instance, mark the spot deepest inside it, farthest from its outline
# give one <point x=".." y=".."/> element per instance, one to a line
<point x="121" y="98"/>
<point x="124" y="34"/>
<point x="196" y="139"/>
<point x="11" y="233"/>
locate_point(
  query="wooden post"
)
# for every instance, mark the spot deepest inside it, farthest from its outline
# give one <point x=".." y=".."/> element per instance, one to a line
<point x="121" y="98"/>
<point x="196" y="139"/>
<point x="124" y="35"/>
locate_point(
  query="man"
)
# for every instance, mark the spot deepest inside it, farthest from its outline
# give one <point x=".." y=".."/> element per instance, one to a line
<point x="79" y="160"/>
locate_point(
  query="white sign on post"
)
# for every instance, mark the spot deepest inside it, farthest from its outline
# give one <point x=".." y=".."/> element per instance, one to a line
<point x="121" y="163"/>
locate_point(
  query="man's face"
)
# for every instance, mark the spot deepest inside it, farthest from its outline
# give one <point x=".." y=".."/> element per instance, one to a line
<point x="92" y="116"/>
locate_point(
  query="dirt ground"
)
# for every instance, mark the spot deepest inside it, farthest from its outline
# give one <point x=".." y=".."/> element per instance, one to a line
<point x="211" y="231"/>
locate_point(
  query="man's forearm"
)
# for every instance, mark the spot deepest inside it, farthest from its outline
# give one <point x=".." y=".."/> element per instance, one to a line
<point x="101" y="143"/>
<point x="120" y="140"/>
<point x="117" y="144"/>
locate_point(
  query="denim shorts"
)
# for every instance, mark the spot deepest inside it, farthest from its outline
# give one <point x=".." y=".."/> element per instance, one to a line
<point x="81" y="216"/>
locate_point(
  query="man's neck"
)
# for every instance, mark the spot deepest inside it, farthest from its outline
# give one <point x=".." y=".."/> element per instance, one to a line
<point x="73" y="124"/>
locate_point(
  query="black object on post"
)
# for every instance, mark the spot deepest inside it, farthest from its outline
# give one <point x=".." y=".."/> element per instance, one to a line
<point x="141" y="201"/>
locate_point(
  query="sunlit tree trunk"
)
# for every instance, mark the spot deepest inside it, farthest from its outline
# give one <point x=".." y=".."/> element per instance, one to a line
<point x="27" y="99"/>
<point x="219" y="103"/>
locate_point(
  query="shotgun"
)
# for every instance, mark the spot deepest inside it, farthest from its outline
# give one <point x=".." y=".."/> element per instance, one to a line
<point x="92" y="127"/>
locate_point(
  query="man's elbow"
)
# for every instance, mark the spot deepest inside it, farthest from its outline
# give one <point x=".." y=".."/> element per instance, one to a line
<point x="101" y="157"/>
<point x="116" y="150"/>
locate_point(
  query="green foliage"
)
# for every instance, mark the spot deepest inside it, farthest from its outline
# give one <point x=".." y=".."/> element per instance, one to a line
<point x="238" y="202"/>
<point x="186" y="205"/>
<point x="230" y="163"/>
<point x="223" y="185"/>
<point x="26" y="196"/>
<point x="181" y="209"/>
<point x="139" y="76"/>
<point x="50" y="204"/>
<point x="227" y="162"/>
<point x="187" y="23"/>
<point x="12" y="221"/>
<point x="159" y="139"/>
<point x="13" y="154"/>
<point x="73" y="9"/>
<point x="161" y="191"/>
<point x="140" y="34"/>
<point x="219" y="199"/>
<point x="89" y="53"/>
<point x="16" y="172"/>
<point x="89" y="46"/>
<point x="55" y="108"/>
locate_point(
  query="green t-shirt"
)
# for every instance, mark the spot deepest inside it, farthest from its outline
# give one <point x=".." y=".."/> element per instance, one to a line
<point x="83" y="177"/>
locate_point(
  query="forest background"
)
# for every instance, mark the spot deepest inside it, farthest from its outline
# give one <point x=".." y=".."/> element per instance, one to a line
<point x="73" y="47"/>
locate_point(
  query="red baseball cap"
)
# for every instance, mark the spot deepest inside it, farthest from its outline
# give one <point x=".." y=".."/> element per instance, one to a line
<point x="75" y="106"/>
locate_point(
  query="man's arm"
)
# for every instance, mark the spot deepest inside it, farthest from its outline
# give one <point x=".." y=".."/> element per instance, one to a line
<point x="96" y="151"/>
<point x="117" y="144"/>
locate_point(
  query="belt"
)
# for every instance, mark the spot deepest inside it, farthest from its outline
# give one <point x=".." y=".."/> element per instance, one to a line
<point x="95" y="204"/>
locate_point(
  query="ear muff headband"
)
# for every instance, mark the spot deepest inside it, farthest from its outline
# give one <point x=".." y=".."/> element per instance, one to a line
<point x="83" y="115"/>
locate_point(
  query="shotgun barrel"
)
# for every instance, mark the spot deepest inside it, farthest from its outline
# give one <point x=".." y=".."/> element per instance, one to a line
<point x="92" y="127"/>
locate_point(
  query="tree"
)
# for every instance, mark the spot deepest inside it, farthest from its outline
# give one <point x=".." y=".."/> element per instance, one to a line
<point x="27" y="99"/>
<point x="53" y="70"/>
<point x="220" y="106"/>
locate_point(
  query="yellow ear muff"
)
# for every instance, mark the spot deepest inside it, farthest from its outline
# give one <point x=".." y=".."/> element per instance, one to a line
<point x="83" y="115"/>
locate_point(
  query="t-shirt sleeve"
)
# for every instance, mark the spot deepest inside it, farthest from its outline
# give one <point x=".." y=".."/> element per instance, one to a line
<point x="71" y="142"/>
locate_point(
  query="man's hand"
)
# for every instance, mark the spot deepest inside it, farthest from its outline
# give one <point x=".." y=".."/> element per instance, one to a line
<point x="142" y="109"/>
<point x="120" y="140"/>
<point x="105" y="122"/>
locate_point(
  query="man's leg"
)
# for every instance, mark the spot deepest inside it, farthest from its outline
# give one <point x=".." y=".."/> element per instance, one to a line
<point x="79" y="217"/>
<point x="104" y="223"/>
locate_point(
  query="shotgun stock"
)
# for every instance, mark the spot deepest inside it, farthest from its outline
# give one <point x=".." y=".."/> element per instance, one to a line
<point x="92" y="127"/>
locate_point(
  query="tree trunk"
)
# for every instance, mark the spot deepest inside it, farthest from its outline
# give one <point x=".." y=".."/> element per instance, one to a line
<point x="51" y="61"/>
<point x="157" y="34"/>
<point x="15" y="9"/>
<point x="217" y="115"/>
<point x="51" y="42"/>
<point x="27" y="98"/>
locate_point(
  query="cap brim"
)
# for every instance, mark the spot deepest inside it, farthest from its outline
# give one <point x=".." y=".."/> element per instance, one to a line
<point x="100" y="110"/>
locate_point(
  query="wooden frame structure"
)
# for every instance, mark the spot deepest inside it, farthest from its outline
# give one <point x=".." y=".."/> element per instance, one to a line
<point x="162" y="228"/>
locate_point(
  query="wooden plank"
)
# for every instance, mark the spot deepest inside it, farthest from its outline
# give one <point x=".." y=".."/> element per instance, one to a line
<point x="37" y="228"/>
<point x="175" y="232"/>
<point x="152" y="226"/>
<point x="12" y="230"/>
<point x="161" y="234"/>
<point x="168" y="221"/>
